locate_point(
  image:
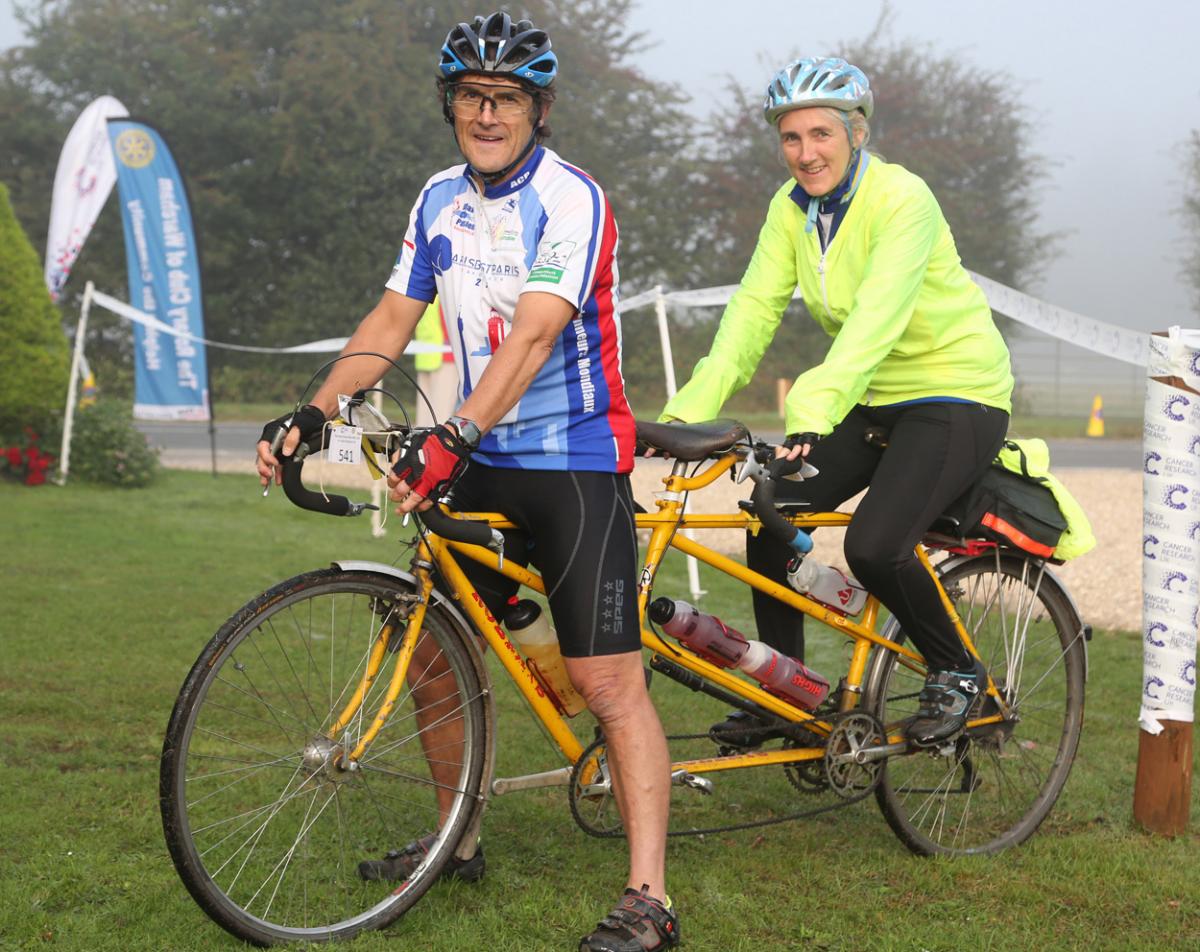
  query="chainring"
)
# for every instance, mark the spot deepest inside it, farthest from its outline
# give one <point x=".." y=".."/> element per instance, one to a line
<point x="850" y="734"/>
<point x="593" y="804"/>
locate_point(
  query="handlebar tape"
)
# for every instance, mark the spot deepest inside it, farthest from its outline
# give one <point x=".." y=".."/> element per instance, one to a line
<point x="457" y="530"/>
<point x="763" y="498"/>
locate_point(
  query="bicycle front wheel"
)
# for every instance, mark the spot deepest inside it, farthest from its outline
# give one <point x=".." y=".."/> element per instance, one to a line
<point x="265" y="820"/>
<point x="998" y="782"/>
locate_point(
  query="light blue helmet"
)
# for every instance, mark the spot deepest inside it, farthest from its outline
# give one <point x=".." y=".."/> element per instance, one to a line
<point x="823" y="81"/>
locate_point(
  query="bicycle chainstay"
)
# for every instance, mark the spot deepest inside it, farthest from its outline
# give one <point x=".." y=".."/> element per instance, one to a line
<point x="728" y="828"/>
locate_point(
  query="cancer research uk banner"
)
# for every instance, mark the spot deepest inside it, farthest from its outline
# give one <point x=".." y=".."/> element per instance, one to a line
<point x="1171" y="535"/>
<point x="171" y="379"/>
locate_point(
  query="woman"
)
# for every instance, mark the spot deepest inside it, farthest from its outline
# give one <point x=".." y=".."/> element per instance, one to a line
<point x="914" y="351"/>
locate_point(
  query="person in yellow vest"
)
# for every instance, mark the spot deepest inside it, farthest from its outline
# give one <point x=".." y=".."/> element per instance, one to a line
<point x="436" y="375"/>
<point x="915" y="352"/>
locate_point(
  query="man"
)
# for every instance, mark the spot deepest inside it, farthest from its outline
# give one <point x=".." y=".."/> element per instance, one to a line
<point x="520" y="249"/>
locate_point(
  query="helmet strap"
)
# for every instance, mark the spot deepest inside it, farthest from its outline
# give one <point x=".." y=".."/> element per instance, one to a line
<point x="848" y="185"/>
<point x="491" y="178"/>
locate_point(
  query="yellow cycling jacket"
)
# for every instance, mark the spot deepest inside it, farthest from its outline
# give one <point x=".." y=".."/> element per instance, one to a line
<point x="907" y="321"/>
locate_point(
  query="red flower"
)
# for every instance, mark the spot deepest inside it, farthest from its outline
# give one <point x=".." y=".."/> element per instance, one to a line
<point x="14" y="456"/>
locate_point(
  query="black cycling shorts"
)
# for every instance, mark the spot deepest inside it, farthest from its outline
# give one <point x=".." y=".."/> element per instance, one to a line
<point x="577" y="529"/>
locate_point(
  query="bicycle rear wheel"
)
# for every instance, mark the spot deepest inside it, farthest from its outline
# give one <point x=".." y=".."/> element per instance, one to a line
<point x="998" y="783"/>
<point x="265" y="824"/>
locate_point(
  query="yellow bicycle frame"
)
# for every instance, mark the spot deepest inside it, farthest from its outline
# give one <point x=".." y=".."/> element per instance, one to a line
<point x="663" y="525"/>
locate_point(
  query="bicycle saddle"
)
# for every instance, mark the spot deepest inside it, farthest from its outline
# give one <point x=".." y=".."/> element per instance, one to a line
<point x="690" y="441"/>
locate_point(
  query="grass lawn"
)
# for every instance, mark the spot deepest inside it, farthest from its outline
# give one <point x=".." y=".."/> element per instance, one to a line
<point x="110" y="595"/>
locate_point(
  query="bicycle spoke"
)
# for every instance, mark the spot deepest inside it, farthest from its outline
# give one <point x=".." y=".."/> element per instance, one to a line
<point x="268" y="820"/>
<point x="1007" y="773"/>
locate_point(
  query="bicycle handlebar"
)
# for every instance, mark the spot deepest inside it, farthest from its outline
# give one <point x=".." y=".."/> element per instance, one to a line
<point x="292" y="468"/>
<point x="462" y="530"/>
<point x="457" y="530"/>
<point x="763" y="499"/>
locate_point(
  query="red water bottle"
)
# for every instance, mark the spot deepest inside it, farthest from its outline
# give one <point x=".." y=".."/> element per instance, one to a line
<point x="716" y="642"/>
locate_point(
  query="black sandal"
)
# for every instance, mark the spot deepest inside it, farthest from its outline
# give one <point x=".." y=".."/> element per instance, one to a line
<point x="399" y="865"/>
<point x="640" y="923"/>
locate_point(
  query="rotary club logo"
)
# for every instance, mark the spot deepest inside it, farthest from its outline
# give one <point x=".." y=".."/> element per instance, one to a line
<point x="135" y="148"/>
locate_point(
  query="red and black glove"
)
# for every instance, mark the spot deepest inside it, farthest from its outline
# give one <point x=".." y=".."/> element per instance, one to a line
<point x="431" y="460"/>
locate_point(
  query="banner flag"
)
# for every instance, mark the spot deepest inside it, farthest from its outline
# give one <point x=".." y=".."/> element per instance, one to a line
<point x="84" y="178"/>
<point x="163" y="263"/>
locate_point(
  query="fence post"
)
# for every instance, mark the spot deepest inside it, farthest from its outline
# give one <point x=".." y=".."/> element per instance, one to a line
<point x="1170" y="590"/>
<point x="664" y="335"/>
<point x="64" y="456"/>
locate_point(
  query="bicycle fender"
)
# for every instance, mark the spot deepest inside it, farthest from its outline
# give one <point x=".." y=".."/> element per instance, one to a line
<point x="439" y="599"/>
<point x="891" y="629"/>
<point x="1048" y="577"/>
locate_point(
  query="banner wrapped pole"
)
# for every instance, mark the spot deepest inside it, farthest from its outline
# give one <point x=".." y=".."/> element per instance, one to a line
<point x="1170" y="584"/>
<point x="64" y="456"/>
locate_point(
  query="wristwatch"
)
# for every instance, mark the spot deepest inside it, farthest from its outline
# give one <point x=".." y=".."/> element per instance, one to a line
<point x="468" y="431"/>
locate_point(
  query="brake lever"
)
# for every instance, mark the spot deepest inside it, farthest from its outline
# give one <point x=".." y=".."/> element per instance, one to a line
<point x="752" y="469"/>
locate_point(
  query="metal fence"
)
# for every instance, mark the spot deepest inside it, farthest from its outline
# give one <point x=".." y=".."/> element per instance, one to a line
<point x="1059" y="379"/>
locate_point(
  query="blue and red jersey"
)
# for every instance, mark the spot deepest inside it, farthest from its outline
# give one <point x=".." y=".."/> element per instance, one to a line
<point x="548" y="228"/>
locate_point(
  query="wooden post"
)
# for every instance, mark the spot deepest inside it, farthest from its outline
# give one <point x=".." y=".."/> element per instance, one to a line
<point x="1162" y="793"/>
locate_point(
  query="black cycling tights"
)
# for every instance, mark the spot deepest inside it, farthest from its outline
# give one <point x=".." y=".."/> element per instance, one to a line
<point x="935" y="452"/>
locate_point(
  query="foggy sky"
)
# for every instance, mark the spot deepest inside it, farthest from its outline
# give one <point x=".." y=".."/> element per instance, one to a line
<point x="1112" y="89"/>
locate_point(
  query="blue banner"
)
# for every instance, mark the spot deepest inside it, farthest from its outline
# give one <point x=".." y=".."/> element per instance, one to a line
<point x="171" y="376"/>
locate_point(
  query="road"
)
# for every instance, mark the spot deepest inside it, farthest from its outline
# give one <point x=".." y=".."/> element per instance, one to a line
<point x="187" y="445"/>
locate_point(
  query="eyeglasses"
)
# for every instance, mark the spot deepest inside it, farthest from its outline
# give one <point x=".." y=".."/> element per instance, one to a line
<point x="468" y="101"/>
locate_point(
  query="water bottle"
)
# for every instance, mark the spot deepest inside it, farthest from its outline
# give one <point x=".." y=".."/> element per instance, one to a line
<point x="827" y="585"/>
<point x="530" y="629"/>
<point x="715" y="641"/>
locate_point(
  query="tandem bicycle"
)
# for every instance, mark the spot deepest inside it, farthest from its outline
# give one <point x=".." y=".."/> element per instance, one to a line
<point x="349" y="710"/>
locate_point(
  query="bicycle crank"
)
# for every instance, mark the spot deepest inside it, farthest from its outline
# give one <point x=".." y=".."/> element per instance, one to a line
<point x="852" y="758"/>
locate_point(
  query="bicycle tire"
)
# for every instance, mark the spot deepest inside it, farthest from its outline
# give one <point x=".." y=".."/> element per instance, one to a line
<point x="1000" y="781"/>
<point x="264" y="828"/>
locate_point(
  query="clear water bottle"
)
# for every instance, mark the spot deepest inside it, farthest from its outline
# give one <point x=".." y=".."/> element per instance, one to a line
<point x="827" y="585"/>
<point x="715" y="641"/>
<point x="530" y="630"/>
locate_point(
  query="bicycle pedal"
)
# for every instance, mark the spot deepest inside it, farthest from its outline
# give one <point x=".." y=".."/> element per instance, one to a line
<point x="681" y="778"/>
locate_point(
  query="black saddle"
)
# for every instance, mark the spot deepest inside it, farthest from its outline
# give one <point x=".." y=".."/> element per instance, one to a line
<point x="690" y="441"/>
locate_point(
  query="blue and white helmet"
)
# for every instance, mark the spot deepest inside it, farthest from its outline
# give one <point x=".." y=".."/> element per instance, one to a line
<point x="497" y="45"/>
<point x="821" y="81"/>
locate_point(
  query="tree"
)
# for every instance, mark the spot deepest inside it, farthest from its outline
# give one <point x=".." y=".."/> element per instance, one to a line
<point x="305" y="129"/>
<point x="34" y="363"/>
<point x="1191" y="213"/>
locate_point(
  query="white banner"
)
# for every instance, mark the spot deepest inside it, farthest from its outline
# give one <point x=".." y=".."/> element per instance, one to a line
<point x="331" y="345"/>
<point x="1120" y="343"/>
<point x="85" y="176"/>
<point x="1171" y="531"/>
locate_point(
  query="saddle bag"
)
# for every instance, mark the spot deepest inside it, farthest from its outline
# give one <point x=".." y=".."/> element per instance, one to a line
<point x="1017" y="505"/>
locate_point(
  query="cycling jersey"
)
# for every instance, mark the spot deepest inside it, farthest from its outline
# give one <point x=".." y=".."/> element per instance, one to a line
<point x="907" y="321"/>
<point x="548" y="228"/>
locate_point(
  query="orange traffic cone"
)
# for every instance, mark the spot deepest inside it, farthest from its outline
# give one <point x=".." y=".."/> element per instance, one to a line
<point x="1095" y="425"/>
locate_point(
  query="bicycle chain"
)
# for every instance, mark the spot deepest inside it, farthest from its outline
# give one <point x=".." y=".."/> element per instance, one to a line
<point x="728" y="828"/>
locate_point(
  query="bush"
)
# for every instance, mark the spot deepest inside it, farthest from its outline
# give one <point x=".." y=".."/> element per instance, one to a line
<point x="26" y="463"/>
<point x="107" y="448"/>
<point x="34" y="359"/>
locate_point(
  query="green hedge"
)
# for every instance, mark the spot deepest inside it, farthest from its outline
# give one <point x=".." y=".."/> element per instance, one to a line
<point x="34" y="358"/>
